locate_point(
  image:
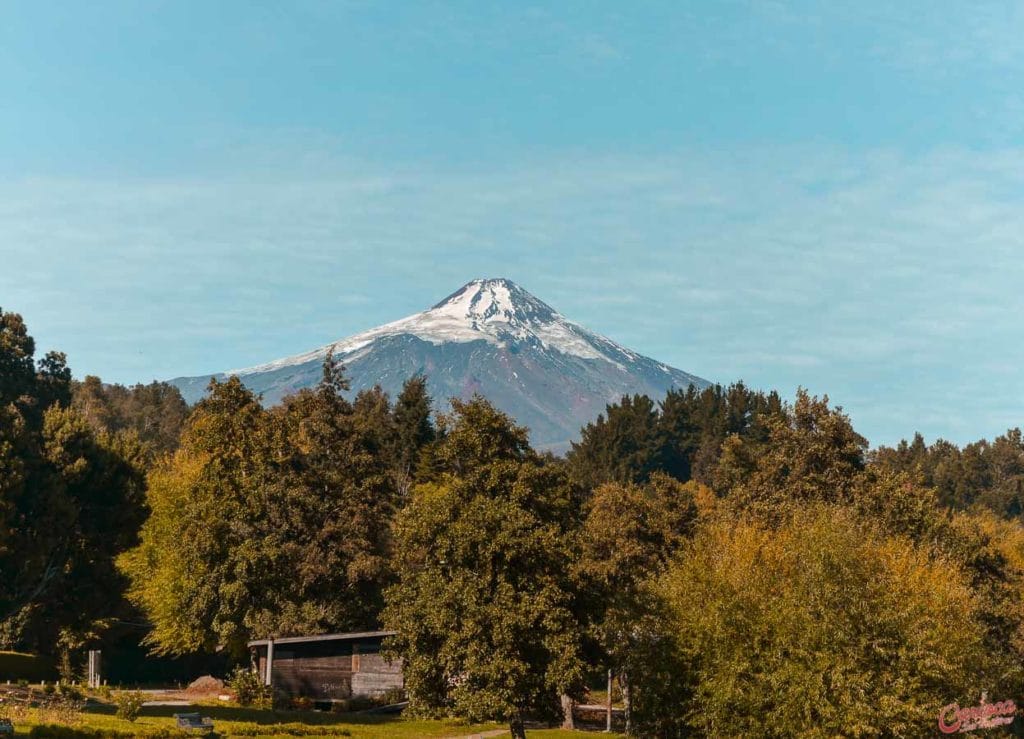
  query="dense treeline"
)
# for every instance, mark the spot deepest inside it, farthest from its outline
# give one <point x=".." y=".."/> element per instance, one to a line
<point x="71" y="499"/>
<point x="744" y="566"/>
<point x="155" y="412"/>
<point x="275" y="521"/>
<point x="989" y="474"/>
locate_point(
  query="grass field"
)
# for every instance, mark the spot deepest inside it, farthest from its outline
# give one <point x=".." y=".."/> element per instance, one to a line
<point x="245" y="722"/>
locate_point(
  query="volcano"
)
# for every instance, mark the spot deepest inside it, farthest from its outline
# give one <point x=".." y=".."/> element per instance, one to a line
<point x="490" y="337"/>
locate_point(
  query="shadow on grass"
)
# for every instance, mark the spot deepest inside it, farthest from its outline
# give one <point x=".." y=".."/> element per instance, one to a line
<point x="256" y="715"/>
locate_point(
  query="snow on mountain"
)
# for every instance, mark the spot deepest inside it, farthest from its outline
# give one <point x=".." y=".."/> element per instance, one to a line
<point x="490" y="336"/>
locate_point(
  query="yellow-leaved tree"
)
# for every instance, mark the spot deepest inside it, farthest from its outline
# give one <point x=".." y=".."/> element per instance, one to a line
<point x="818" y="627"/>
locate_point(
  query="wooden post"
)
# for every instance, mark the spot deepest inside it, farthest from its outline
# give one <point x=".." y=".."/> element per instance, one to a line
<point x="267" y="680"/>
<point x="608" y="728"/>
<point x="95" y="668"/>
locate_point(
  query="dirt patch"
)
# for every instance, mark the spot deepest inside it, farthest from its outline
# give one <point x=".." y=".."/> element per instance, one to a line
<point x="206" y="685"/>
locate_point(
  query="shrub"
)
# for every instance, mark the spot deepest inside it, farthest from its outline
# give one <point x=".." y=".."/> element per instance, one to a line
<point x="69" y="691"/>
<point x="355" y="703"/>
<point x="249" y="689"/>
<point x="391" y="696"/>
<point x="129" y="705"/>
<point x="288" y="730"/>
<point x="302" y="703"/>
<point x="57" y="731"/>
<point x="49" y="689"/>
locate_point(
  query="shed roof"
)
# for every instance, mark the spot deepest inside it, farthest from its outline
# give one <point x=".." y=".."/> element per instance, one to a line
<point x="351" y="636"/>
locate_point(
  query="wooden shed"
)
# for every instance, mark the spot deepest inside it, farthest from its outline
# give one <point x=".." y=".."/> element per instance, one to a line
<point x="329" y="666"/>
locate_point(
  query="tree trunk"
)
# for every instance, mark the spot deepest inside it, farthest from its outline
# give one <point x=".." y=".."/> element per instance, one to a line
<point x="516" y="728"/>
<point x="627" y="704"/>
<point x="608" y="716"/>
<point x="568" y="720"/>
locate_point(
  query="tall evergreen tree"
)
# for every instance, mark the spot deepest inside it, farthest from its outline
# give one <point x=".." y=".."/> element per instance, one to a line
<point x="622" y="445"/>
<point x="414" y="430"/>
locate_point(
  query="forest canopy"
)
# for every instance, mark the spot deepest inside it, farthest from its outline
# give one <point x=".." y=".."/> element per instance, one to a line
<point x="742" y="564"/>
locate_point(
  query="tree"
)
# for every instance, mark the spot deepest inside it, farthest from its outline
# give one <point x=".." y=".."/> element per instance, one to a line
<point x="102" y="477"/>
<point x="820" y="627"/>
<point x="484" y="607"/>
<point x="334" y="513"/>
<point x="204" y="548"/>
<point x="267" y="523"/>
<point x="155" y="412"/>
<point x="984" y="473"/>
<point x="811" y="454"/>
<point x="622" y="445"/>
<point x="413" y="430"/>
<point x="682" y="436"/>
<point x="70" y="501"/>
<point x="628" y="536"/>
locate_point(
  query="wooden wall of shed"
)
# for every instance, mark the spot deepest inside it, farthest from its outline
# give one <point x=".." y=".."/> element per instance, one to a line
<point x="331" y="670"/>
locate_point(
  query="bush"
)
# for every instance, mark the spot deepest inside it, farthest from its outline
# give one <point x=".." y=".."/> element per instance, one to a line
<point x="249" y="689"/>
<point x="288" y="730"/>
<point x="821" y="627"/>
<point x="27" y="667"/>
<point x="69" y="691"/>
<point x="129" y="705"/>
<point x="302" y="703"/>
<point x="391" y="696"/>
<point x="355" y="703"/>
<point x="57" y="731"/>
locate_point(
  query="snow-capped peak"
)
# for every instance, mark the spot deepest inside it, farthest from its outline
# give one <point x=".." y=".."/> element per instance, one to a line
<point x="495" y="301"/>
<point x="494" y="310"/>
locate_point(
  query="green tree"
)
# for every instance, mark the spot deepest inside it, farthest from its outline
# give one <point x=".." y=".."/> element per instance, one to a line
<point x="622" y="445"/>
<point x="198" y="569"/>
<point x="334" y="511"/>
<point x="414" y="430"/>
<point x="811" y="454"/>
<point x="484" y="608"/>
<point x="267" y="523"/>
<point x="70" y="500"/>
<point x="629" y="534"/>
<point x="155" y="412"/>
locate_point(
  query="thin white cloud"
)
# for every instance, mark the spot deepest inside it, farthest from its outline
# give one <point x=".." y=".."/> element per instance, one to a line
<point x="889" y="281"/>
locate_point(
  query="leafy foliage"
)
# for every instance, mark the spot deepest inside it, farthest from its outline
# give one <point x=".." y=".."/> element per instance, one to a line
<point x="988" y="474"/>
<point x="70" y="501"/>
<point x="249" y="688"/>
<point x="129" y="704"/>
<point x="484" y="606"/>
<point x="682" y="436"/>
<point x="271" y="522"/>
<point x="820" y="627"/>
<point x="629" y="535"/>
<point x="155" y="412"/>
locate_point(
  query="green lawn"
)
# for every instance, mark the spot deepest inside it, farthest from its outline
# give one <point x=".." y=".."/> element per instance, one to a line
<point x="244" y="722"/>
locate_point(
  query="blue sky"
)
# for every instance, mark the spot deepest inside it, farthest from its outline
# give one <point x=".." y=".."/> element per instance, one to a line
<point x="788" y="193"/>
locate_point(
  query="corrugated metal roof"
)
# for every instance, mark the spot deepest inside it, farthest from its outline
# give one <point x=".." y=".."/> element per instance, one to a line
<point x="322" y="637"/>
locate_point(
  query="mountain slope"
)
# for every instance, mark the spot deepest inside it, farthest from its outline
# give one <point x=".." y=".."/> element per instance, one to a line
<point x="489" y="337"/>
